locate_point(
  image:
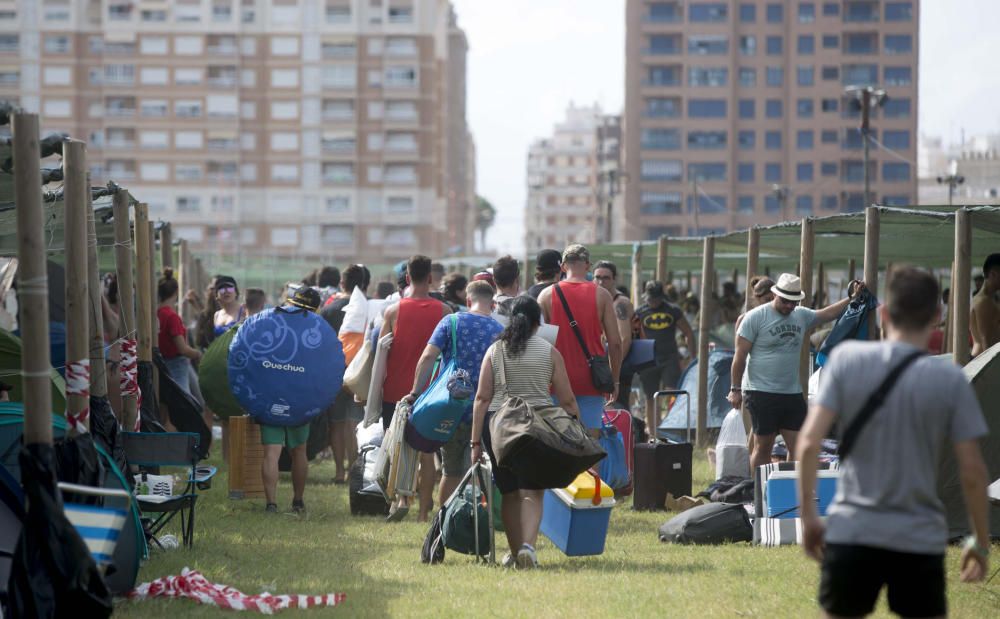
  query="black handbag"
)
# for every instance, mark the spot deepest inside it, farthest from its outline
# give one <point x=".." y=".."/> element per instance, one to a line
<point x="600" y="367"/>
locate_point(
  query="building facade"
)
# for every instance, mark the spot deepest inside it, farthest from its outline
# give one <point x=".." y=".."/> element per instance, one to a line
<point x="736" y="112"/>
<point x="314" y="129"/>
<point x="976" y="160"/>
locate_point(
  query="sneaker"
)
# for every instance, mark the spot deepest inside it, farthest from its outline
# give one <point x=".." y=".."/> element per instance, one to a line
<point x="526" y="558"/>
<point x="508" y="561"/>
<point x="298" y="507"/>
<point x="271" y="508"/>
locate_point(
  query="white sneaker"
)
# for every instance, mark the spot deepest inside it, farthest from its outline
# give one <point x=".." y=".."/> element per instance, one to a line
<point x="508" y="561"/>
<point x="526" y="558"/>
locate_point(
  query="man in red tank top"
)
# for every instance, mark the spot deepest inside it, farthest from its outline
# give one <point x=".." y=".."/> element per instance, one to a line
<point x="411" y="322"/>
<point x="593" y="309"/>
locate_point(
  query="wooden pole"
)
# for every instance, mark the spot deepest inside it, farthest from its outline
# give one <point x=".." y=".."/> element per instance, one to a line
<point x="32" y="281"/>
<point x="806" y="264"/>
<point x="960" y="287"/>
<point x="704" y="328"/>
<point x="753" y="258"/>
<point x="949" y="324"/>
<point x="151" y="237"/>
<point x="184" y="282"/>
<point x="821" y="300"/>
<point x="98" y="367"/>
<point x="872" y="215"/>
<point x="529" y="272"/>
<point x="690" y="286"/>
<point x="661" y="259"/>
<point x="851" y="270"/>
<point x="76" y="195"/>
<point x="142" y="283"/>
<point x="166" y="246"/>
<point x="636" y="273"/>
<point x="126" y="292"/>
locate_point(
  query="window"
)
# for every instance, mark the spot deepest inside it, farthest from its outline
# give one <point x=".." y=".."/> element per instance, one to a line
<point x="853" y="140"/>
<point x="338" y="14"/>
<point x="807" y="12"/>
<point x="334" y="109"/>
<point x="898" y="76"/>
<point x="284" y="46"/>
<point x="896" y="139"/>
<point x="187" y="76"/>
<point x="706" y="108"/>
<point x="861" y="11"/>
<point x="748" y="77"/>
<point x="153" y="15"/>
<point x="661" y="139"/>
<point x="338" y="204"/>
<point x="898" y="11"/>
<point x="747" y="108"/>
<point x="711" y="12"/>
<point x="119" y="12"/>
<point x="775" y="13"/>
<point x="804" y="139"/>
<point x="897" y="108"/>
<point x="804" y="172"/>
<point x="853" y="171"/>
<point x="248" y="46"/>
<point x="707" y="204"/>
<point x="401" y="46"/>
<point x="771" y="204"/>
<point x="57" y="108"/>
<point x="57" y="76"/>
<point x="662" y="170"/>
<point x="339" y="76"/>
<point x="662" y="107"/>
<point x="400" y="14"/>
<point x="188" y="139"/>
<point x="284" y="172"/>
<point x="748" y="13"/>
<point x="664" y="12"/>
<point x="54" y="44"/>
<point x="401" y="110"/>
<point x="707" y="76"/>
<point x="248" y="141"/>
<point x="154" y="171"/>
<point x="400" y="174"/>
<point x="804" y="204"/>
<point x="284" y="237"/>
<point x="775" y="76"/>
<point x="896" y="200"/>
<point x="855" y="203"/>
<point x="401" y="76"/>
<point x="828" y="168"/>
<point x="155" y="76"/>
<point x="396" y="141"/>
<point x="285" y="78"/>
<point x="744" y="204"/>
<point x="747" y="139"/>
<point x="772" y="108"/>
<point x="666" y="44"/>
<point x="188" y="46"/>
<point x="806" y="44"/>
<point x="863" y="43"/>
<point x="706" y="139"/>
<point x="698" y="44"/>
<point x="153" y="108"/>
<point x="284" y="141"/>
<point x="831" y="9"/>
<point x="772" y="140"/>
<point x="284" y="110"/>
<point x="829" y="203"/>
<point x="748" y="45"/>
<point x="774" y="46"/>
<point x="664" y="76"/>
<point x="375" y="174"/>
<point x="707" y="171"/>
<point x="805" y="75"/>
<point x="772" y="172"/>
<point x="804" y="108"/>
<point x="660" y="203"/>
<point x="154" y="139"/>
<point x="153" y="46"/>
<point x="860" y="74"/>
<point x="895" y="171"/>
<point x="123" y="74"/>
<point x="829" y="105"/>
<point x="745" y="172"/>
<point x="188" y="204"/>
<point x="222" y="106"/>
<point x="898" y="44"/>
<point x="248" y="110"/>
<point x="338" y="173"/>
<point x="831" y="73"/>
<point x="222" y="12"/>
<point x="831" y="41"/>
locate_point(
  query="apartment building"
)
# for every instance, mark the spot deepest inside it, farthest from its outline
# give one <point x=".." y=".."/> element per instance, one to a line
<point x="736" y="112"/>
<point x="309" y="129"/>
<point x="975" y="159"/>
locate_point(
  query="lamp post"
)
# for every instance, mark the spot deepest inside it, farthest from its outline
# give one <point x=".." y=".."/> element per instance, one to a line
<point x="781" y="195"/>
<point x="865" y="97"/>
<point x="954" y="179"/>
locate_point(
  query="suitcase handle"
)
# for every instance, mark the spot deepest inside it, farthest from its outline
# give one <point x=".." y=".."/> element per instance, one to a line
<point x="675" y="392"/>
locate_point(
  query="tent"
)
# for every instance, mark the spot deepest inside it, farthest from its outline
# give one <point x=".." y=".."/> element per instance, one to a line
<point x="10" y="371"/>
<point x="675" y="424"/>
<point x="11" y="517"/>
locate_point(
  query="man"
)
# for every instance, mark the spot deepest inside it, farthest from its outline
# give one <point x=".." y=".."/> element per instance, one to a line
<point x="411" y="322"/>
<point x="256" y="301"/>
<point x="887" y="525"/>
<point x="547" y="271"/>
<point x="985" y="318"/>
<point x="274" y="438"/>
<point x="345" y="413"/>
<point x="507" y="276"/>
<point x="437" y="277"/>
<point x="606" y="276"/>
<point x="660" y="319"/>
<point x="594" y="315"/>
<point x="771" y="336"/>
<point x="476" y="331"/>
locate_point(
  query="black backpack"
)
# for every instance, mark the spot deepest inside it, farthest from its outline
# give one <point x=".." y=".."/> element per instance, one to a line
<point x="364" y="503"/>
<point x="714" y="523"/>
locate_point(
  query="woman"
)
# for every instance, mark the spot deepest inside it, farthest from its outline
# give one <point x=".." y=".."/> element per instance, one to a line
<point x="172" y="337"/>
<point x="231" y="310"/>
<point x="453" y="287"/>
<point x="531" y="366"/>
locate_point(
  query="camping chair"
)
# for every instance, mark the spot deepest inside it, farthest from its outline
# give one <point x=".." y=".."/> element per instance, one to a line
<point x="99" y="526"/>
<point x="152" y="450"/>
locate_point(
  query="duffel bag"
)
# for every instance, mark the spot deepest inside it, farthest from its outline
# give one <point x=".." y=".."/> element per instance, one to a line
<point x="714" y="523"/>
<point x="468" y="506"/>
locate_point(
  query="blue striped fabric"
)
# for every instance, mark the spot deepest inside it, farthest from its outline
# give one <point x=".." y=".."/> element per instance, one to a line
<point x="99" y="527"/>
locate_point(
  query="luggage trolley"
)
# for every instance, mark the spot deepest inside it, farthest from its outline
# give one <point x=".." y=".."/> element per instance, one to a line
<point x="675" y="392"/>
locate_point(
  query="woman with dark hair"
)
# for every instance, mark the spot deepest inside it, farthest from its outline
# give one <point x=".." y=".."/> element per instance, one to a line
<point x="204" y="332"/>
<point x="231" y="311"/>
<point x="533" y="369"/>
<point x="172" y="338"/>
<point x="453" y="287"/>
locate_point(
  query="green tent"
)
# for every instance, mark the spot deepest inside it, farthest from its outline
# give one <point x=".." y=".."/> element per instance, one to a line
<point x="10" y="372"/>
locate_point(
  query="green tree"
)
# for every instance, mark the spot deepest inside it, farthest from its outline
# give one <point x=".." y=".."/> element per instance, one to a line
<point x="486" y="215"/>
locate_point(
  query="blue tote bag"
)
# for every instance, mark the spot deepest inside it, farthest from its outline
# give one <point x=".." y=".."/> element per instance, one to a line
<point x="439" y="409"/>
<point x="613" y="469"/>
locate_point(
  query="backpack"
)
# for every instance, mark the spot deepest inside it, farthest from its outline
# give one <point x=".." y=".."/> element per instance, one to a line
<point x="714" y="523"/>
<point x="364" y="496"/>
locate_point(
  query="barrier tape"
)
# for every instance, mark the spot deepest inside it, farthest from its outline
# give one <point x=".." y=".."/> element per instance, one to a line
<point x="129" y="377"/>
<point x="78" y="383"/>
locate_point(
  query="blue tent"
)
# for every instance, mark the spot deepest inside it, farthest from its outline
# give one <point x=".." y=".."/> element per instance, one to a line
<point x="675" y="424"/>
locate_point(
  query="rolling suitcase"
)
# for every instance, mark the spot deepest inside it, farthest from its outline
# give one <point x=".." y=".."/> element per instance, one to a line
<point x="662" y="467"/>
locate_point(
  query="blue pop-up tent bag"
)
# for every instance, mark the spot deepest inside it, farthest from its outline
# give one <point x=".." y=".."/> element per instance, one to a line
<point x="286" y="366"/>
<point x="852" y="325"/>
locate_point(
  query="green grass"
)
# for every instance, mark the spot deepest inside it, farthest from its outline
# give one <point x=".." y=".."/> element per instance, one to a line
<point x="377" y="565"/>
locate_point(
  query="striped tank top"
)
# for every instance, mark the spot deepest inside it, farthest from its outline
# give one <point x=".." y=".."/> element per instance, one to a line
<point x="529" y="374"/>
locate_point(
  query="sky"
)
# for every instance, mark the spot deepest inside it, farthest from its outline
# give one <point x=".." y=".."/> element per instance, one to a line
<point x="528" y="59"/>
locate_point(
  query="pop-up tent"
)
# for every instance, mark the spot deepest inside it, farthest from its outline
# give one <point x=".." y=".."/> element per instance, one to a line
<point x="675" y="424"/>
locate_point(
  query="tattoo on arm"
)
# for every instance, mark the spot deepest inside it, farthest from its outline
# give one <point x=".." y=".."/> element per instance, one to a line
<point x="621" y="311"/>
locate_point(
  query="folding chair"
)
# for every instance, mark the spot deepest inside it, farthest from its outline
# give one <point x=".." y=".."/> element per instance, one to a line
<point x="151" y="450"/>
<point x="98" y="525"/>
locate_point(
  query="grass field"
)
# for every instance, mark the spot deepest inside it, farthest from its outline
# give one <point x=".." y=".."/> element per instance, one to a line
<point x="377" y="565"/>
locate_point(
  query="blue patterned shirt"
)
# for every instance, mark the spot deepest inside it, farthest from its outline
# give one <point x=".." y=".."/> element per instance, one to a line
<point x="476" y="334"/>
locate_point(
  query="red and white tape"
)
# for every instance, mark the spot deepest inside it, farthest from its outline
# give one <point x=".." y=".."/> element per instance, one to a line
<point x="78" y="383"/>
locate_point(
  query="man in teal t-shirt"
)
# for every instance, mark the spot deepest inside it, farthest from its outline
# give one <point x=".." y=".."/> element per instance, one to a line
<point x="768" y="348"/>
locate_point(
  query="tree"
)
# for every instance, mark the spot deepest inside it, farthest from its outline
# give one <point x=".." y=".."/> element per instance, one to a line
<point x="486" y="215"/>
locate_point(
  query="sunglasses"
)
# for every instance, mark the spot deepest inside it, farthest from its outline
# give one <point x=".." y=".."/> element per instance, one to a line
<point x="602" y="278"/>
<point x="225" y="289"/>
<point x="785" y="301"/>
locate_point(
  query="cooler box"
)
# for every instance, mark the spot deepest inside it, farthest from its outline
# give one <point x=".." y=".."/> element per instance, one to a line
<point x="781" y="493"/>
<point x="573" y="522"/>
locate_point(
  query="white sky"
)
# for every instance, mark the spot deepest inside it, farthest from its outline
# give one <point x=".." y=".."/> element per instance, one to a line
<point x="529" y="58"/>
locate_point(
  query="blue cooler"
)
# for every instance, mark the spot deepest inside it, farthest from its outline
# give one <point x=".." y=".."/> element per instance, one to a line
<point x="781" y="493"/>
<point x="572" y="521"/>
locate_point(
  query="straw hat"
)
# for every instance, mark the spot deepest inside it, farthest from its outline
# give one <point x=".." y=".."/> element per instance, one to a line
<point x="789" y="287"/>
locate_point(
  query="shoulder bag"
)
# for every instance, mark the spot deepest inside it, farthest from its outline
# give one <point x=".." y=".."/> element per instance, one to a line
<point x="600" y="368"/>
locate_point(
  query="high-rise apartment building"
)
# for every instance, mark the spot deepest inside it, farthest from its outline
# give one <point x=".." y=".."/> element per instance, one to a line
<point x="330" y="129"/>
<point x="736" y="113"/>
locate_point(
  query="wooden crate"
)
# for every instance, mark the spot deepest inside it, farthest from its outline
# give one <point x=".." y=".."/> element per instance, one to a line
<point x="245" y="457"/>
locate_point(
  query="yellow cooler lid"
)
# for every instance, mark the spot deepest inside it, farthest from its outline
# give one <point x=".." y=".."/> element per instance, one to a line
<point x="583" y="487"/>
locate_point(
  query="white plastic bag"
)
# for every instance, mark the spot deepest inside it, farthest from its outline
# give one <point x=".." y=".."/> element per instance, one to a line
<point x="732" y="458"/>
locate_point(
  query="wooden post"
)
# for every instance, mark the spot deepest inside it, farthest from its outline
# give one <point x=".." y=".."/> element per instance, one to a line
<point x="76" y="194"/>
<point x="166" y="246"/>
<point x="689" y="282"/>
<point x="806" y="264"/>
<point x="704" y="328"/>
<point x="960" y="287"/>
<point x="949" y="324"/>
<point x="821" y="300"/>
<point x="753" y="257"/>
<point x="851" y="270"/>
<point x="184" y="282"/>
<point x="32" y="281"/>
<point x="871" y="261"/>
<point x="98" y="367"/>
<point x="661" y="259"/>
<point x="151" y="237"/>
<point x="529" y="272"/>
<point x="636" y="273"/>
<point x="126" y="292"/>
<point x="142" y="283"/>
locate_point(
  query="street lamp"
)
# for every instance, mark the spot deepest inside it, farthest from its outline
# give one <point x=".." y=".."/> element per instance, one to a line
<point x="864" y="98"/>
<point x="954" y="179"/>
<point x="781" y="195"/>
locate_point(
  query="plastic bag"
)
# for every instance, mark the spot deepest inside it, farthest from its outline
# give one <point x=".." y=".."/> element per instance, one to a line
<point x="731" y="454"/>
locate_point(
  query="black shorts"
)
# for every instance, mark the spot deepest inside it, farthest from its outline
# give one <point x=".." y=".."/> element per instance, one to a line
<point x="852" y="577"/>
<point x="666" y="375"/>
<point x="771" y="412"/>
<point x="344" y="408"/>
<point x="506" y="479"/>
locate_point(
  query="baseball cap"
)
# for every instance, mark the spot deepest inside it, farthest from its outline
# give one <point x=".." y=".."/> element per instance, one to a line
<point x="548" y="259"/>
<point x="576" y="252"/>
<point x="306" y="298"/>
<point x="654" y="290"/>
<point x="484" y="276"/>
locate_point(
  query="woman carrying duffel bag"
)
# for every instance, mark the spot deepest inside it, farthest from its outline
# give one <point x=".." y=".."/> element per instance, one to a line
<point x="533" y="445"/>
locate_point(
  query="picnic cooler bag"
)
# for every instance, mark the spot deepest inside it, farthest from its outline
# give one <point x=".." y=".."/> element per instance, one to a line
<point x="714" y="523"/>
<point x="576" y="518"/>
<point x="246" y="453"/>
<point x="661" y="467"/>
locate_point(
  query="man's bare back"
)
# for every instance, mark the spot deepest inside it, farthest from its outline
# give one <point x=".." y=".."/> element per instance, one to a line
<point x="984" y="322"/>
